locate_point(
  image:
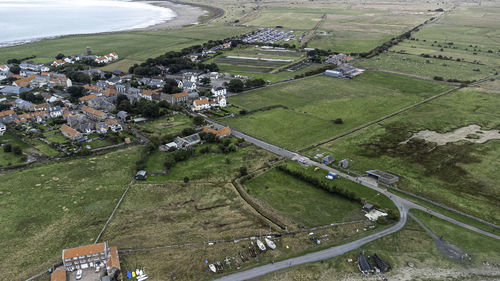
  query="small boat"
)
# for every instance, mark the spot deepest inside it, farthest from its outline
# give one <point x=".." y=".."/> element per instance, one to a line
<point x="212" y="268"/>
<point x="261" y="245"/>
<point x="270" y="244"/>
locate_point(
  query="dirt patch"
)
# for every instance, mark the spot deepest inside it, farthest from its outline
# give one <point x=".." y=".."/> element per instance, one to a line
<point x="471" y="133"/>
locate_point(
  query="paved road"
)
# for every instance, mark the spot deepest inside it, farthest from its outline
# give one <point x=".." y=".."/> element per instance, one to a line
<point x="402" y="204"/>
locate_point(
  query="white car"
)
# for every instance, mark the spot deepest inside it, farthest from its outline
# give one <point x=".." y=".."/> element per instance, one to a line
<point x="79" y="274"/>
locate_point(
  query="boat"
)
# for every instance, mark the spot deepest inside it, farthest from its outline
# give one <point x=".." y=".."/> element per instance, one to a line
<point x="212" y="268"/>
<point x="261" y="245"/>
<point x="270" y="244"/>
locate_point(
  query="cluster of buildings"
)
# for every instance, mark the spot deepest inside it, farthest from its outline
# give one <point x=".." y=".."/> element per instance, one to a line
<point x="195" y="139"/>
<point x="268" y="36"/>
<point x="109" y="58"/>
<point x="97" y="262"/>
<point x="338" y="59"/>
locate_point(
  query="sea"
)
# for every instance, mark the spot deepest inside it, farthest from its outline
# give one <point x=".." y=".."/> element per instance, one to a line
<point x="23" y="21"/>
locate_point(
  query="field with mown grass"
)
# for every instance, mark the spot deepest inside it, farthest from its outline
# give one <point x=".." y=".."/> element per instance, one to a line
<point x="467" y="37"/>
<point x="48" y="208"/>
<point x="461" y="175"/>
<point x="306" y="204"/>
<point x="311" y="105"/>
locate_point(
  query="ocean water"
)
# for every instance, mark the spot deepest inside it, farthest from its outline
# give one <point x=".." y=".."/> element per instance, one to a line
<point x="27" y="20"/>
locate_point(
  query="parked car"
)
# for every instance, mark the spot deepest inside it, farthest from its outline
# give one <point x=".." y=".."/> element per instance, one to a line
<point x="79" y="274"/>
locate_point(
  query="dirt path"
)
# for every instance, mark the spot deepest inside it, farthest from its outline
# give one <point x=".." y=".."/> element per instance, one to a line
<point x="471" y="133"/>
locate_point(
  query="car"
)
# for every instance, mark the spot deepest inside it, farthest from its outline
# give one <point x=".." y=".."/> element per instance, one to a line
<point x="79" y="274"/>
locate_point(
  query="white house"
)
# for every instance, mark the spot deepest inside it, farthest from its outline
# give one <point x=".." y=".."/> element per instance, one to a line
<point x="219" y="91"/>
<point x="189" y="86"/>
<point x="4" y="67"/>
<point x="3" y="128"/>
<point x="55" y="111"/>
<point x="221" y="101"/>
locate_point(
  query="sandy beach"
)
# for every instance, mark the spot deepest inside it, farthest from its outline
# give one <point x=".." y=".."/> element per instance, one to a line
<point x="186" y="15"/>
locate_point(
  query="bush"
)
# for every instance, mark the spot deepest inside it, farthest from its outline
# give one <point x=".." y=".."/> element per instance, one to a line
<point x="243" y="171"/>
<point x="7" y="148"/>
<point x="338" y="121"/>
<point x="438" y="78"/>
<point x="169" y="162"/>
<point x="186" y="179"/>
<point x="17" y="150"/>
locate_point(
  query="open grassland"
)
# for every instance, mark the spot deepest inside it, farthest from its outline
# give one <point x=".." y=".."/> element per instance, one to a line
<point x="132" y="47"/>
<point x="215" y="166"/>
<point x="461" y="175"/>
<point x="173" y="213"/>
<point x="411" y="244"/>
<point x="469" y="34"/>
<point x="361" y="29"/>
<point x="312" y="104"/>
<point x="49" y="208"/>
<point x="306" y="204"/>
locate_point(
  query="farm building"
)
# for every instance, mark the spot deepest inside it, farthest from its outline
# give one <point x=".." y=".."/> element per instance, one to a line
<point x="95" y="260"/>
<point x="334" y="73"/>
<point x="383" y="177"/>
<point x="364" y="265"/>
<point x="380" y="263"/>
<point x="187" y="141"/>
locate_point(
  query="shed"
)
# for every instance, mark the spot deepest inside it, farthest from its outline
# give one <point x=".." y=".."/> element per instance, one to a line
<point x="123" y="115"/>
<point x="381" y="264"/>
<point x="171" y="145"/>
<point x="327" y="160"/>
<point x="364" y="265"/>
<point x="383" y="177"/>
<point x="368" y="207"/>
<point x="141" y="175"/>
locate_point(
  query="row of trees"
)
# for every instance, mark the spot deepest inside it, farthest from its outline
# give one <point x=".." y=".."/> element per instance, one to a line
<point x="237" y="86"/>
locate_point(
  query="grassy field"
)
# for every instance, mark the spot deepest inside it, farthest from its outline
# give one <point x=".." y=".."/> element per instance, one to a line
<point x="307" y="205"/>
<point x="10" y="157"/>
<point x="411" y="244"/>
<point x="468" y="34"/>
<point x="132" y="46"/>
<point x="165" y="125"/>
<point x="48" y="208"/>
<point x="215" y="167"/>
<point x="313" y="103"/>
<point x="462" y="175"/>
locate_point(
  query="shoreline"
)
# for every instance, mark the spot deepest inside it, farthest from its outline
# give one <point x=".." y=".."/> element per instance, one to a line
<point x="185" y="14"/>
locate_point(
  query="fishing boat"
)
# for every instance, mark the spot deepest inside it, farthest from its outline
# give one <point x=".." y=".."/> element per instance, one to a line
<point x="212" y="268"/>
<point x="270" y="244"/>
<point x="261" y="245"/>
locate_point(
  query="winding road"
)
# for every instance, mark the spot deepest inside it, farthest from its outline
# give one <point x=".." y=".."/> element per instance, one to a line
<point x="402" y="204"/>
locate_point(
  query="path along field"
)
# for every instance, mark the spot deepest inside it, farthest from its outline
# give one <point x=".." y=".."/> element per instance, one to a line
<point x="411" y="244"/>
<point x="312" y="105"/>
<point x="462" y="175"/>
<point x="56" y="206"/>
<point x="469" y="36"/>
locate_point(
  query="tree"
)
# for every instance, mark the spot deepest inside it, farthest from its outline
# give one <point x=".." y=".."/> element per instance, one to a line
<point x="7" y="148"/>
<point x="243" y="171"/>
<point x="77" y="92"/>
<point x="188" y="131"/>
<point x="169" y="162"/>
<point x="338" y="121"/>
<point x="186" y="179"/>
<point x="15" y="69"/>
<point x="17" y="150"/>
<point x="79" y="77"/>
<point x="235" y="86"/>
<point x="170" y="87"/>
<point x="59" y="56"/>
<point x="198" y="120"/>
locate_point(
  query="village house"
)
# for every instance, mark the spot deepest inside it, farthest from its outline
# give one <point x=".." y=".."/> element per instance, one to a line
<point x="177" y="98"/>
<point x="220" y="133"/>
<point x="3" y="128"/>
<point x="24" y="105"/>
<point x="123" y="115"/>
<point x="87" y="98"/>
<point x="218" y="91"/>
<point x="70" y="133"/>
<point x="200" y="104"/>
<point x="7" y="116"/>
<point x="34" y="67"/>
<point x="3" y="75"/>
<point x="114" y="125"/>
<point x="93" y="113"/>
<point x="38" y="116"/>
<point x="24" y="82"/>
<point x="41" y="107"/>
<point x="189" y="86"/>
<point x="57" y="63"/>
<point x="4" y="67"/>
<point x="55" y="111"/>
<point x="14" y="90"/>
<point x="87" y="259"/>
